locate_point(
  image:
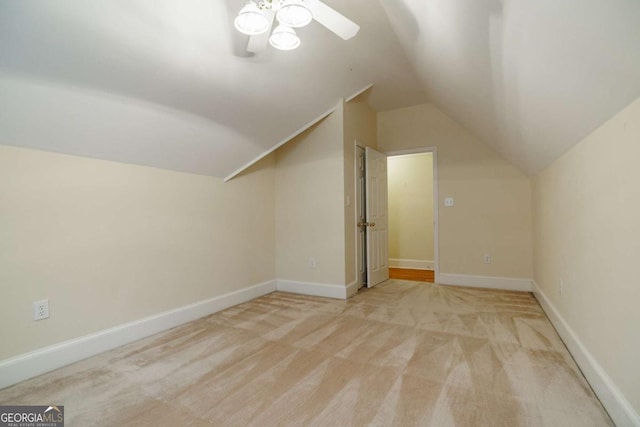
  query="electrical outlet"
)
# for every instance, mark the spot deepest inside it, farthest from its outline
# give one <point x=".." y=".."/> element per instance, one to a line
<point x="486" y="259"/>
<point x="41" y="309"/>
<point x="312" y="262"/>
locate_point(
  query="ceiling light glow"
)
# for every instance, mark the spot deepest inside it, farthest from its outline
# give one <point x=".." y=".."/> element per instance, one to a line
<point x="284" y="38"/>
<point x="259" y="17"/>
<point x="294" y="14"/>
<point x="251" y="20"/>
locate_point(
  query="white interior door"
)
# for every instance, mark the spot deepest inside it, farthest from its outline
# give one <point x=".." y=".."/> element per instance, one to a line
<point x="361" y="219"/>
<point x="377" y="220"/>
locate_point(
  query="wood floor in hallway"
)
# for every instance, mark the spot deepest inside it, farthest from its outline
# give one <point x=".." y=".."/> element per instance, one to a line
<point x="412" y="274"/>
<point x="400" y="354"/>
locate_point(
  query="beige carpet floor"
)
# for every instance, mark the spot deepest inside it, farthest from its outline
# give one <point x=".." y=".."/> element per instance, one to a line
<point x="401" y="354"/>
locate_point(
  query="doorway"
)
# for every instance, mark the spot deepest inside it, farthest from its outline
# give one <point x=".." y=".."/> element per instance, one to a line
<point x="413" y="230"/>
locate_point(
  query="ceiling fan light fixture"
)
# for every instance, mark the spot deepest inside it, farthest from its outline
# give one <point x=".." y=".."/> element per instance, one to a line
<point x="251" y="21"/>
<point x="284" y="38"/>
<point x="294" y="14"/>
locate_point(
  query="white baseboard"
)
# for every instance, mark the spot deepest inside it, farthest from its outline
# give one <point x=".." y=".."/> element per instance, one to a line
<point x="618" y="407"/>
<point x="504" y="283"/>
<point x="352" y="289"/>
<point x="415" y="264"/>
<point x="46" y="359"/>
<point x="316" y="289"/>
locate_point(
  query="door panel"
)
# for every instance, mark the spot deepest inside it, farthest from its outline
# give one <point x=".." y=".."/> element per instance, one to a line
<point x="376" y="210"/>
<point x="361" y="254"/>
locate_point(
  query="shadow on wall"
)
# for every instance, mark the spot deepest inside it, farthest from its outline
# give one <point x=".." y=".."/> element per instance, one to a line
<point x="402" y="19"/>
<point x="461" y="45"/>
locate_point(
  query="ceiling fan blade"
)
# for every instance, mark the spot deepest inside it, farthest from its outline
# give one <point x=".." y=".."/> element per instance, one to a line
<point x="259" y="42"/>
<point x="334" y="21"/>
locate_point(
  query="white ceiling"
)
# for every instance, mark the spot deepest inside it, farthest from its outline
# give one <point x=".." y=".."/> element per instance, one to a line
<point x="530" y="78"/>
<point x="168" y="83"/>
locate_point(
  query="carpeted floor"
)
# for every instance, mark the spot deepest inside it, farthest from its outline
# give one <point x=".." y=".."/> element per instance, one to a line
<point x="402" y="353"/>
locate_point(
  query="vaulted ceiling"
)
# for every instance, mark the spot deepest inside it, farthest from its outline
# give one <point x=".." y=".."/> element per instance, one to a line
<point x="169" y="83"/>
<point x="530" y="78"/>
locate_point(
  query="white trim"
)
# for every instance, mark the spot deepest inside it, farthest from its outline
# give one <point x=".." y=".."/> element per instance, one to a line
<point x="358" y="93"/>
<point x="436" y="220"/>
<point x="436" y="232"/>
<point x="414" y="264"/>
<point x="293" y="135"/>
<point x="356" y="191"/>
<point x="352" y="289"/>
<point x="46" y="359"/>
<point x="278" y="145"/>
<point x="315" y="289"/>
<point x="618" y="407"/>
<point x="416" y="150"/>
<point x="504" y="283"/>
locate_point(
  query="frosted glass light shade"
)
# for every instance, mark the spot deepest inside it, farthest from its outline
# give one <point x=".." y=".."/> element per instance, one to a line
<point x="251" y="20"/>
<point x="294" y="14"/>
<point x="284" y="38"/>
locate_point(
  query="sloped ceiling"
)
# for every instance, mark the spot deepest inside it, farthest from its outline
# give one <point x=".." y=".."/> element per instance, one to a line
<point x="531" y="78"/>
<point x="168" y="83"/>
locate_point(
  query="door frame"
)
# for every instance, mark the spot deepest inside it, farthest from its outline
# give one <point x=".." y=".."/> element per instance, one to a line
<point x="434" y="151"/>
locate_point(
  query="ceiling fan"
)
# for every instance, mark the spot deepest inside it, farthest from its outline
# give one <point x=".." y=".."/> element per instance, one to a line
<point x="256" y="20"/>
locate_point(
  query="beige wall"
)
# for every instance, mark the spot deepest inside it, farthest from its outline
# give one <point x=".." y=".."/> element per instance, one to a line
<point x="411" y="207"/>
<point x="360" y="124"/>
<point x="309" y="204"/>
<point x="108" y="243"/>
<point x="492" y="212"/>
<point x="587" y="234"/>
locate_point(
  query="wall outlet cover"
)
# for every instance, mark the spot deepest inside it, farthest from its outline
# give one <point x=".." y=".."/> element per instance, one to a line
<point x="41" y="309"/>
